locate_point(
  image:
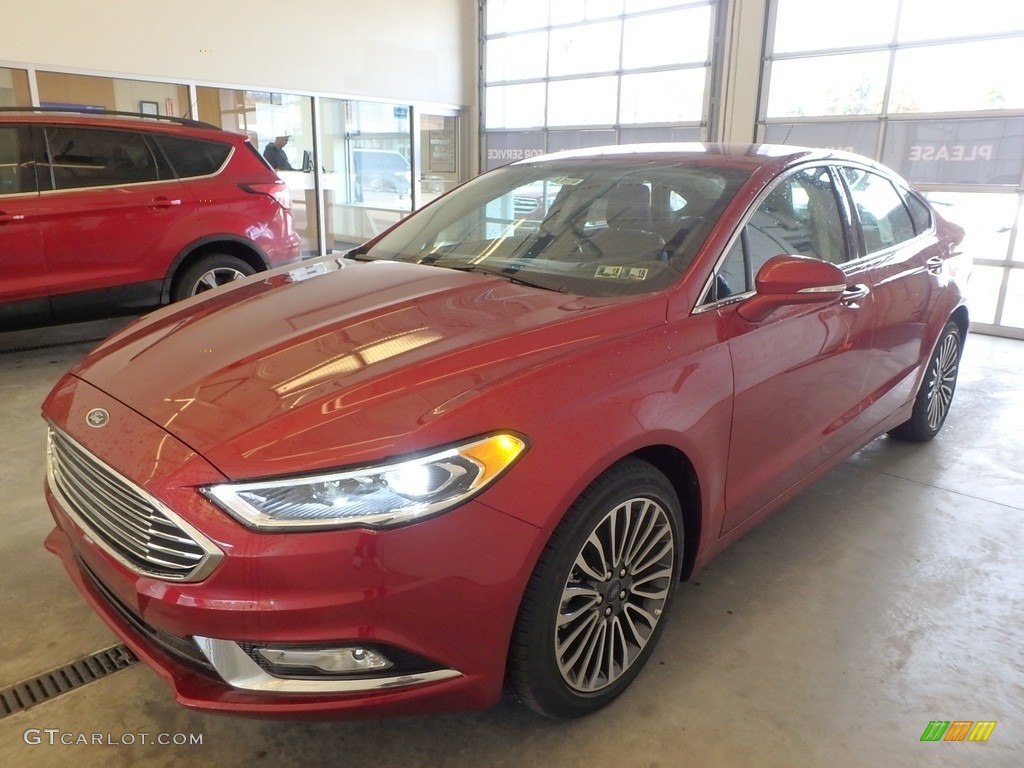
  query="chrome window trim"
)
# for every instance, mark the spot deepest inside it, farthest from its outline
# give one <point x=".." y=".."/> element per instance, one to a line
<point x="860" y="262"/>
<point x="239" y="670"/>
<point x="213" y="554"/>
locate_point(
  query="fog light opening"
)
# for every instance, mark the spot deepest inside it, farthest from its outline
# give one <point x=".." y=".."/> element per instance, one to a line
<point x="329" y="661"/>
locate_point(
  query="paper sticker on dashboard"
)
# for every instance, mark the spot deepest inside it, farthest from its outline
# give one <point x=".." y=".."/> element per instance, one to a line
<point x="612" y="272"/>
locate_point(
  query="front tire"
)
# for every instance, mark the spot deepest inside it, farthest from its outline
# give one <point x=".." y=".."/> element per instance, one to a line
<point x="210" y="272"/>
<point x="931" y="406"/>
<point x="593" y="610"/>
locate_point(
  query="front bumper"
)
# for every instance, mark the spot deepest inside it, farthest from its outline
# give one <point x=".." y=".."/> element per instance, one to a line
<point x="439" y="596"/>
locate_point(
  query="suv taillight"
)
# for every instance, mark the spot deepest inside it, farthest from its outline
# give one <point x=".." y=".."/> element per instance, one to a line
<point x="275" y="189"/>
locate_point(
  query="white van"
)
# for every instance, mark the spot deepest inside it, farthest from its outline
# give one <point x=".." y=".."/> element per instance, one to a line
<point x="381" y="170"/>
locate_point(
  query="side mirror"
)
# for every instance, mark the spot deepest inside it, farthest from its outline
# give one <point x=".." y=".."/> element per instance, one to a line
<point x="789" y="280"/>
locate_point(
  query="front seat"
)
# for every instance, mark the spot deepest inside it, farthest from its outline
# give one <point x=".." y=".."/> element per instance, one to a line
<point x="628" y="235"/>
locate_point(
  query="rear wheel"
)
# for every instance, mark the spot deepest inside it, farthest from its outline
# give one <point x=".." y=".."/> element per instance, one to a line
<point x="931" y="406"/>
<point x="593" y="610"/>
<point x="210" y="272"/>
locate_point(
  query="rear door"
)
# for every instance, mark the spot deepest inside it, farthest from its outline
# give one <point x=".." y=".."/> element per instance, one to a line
<point x="800" y="383"/>
<point x="902" y="261"/>
<point x="110" y="202"/>
<point x="23" y="275"/>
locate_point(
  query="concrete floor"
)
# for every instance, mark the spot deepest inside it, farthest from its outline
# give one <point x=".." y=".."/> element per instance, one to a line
<point x="888" y="595"/>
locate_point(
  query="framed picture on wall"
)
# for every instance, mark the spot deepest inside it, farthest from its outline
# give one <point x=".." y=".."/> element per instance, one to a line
<point x="149" y="108"/>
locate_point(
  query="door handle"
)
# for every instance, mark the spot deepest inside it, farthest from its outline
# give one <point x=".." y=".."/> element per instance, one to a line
<point x="11" y="218"/>
<point x="854" y="293"/>
<point x="162" y="202"/>
<point x="934" y="265"/>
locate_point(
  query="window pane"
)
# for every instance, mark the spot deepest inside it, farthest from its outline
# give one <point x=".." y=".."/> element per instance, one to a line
<point x="515" y="106"/>
<point x="663" y="97"/>
<point x="570" y="11"/>
<point x="851" y="84"/>
<point x="190" y="157"/>
<point x="983" y="293"/>
<point x="636" y="135"/>
<point x="860" y="136"/>
<point x="1013" y="306"/>
<point x="955" y="78"/>
<point x="986" y="217"/>
<point x="1018" y="246"/>
<point x="582" y="102"/>
<point x="518" y="57"/>
<point x="14" y="88"/>
<point x="817" y="25"/>
<point x="677" y="37"/>
<point x="515" y="15"/>
<point x="584" y="49"/>
<point x="636" y="6"/>
<point x="17" y="174"/>
<point x="60" y="89"/>
<point x="933" y="19"/>
<point x="884" y="219"/>
<point x="800" y="216"/>
<point x="83" y="157"/>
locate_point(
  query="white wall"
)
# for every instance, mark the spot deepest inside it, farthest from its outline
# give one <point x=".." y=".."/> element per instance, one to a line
<point x="417" y="51"/>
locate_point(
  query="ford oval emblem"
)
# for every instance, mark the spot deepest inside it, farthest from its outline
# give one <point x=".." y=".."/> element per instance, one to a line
<point x="97" y="417"/>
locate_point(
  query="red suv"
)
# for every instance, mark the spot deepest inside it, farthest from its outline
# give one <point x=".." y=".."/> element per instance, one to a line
<point x="107" y="213"/>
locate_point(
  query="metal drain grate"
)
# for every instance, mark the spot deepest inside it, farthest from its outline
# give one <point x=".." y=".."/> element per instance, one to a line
<point x="52" y="684"/>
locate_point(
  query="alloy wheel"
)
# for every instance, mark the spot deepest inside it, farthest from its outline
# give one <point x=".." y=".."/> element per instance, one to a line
<point x="942" y="380"/>
<point x="614" y="595"/>
<point x="215" y="278"/>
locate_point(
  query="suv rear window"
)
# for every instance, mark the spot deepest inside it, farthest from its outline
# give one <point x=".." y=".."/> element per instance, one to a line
<point x="193" y="157"/>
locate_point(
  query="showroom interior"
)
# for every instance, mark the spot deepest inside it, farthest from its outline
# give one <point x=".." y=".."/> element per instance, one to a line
<point x="884" y="597"/>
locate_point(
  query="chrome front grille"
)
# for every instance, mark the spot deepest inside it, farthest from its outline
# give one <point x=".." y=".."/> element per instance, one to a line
<point x="128" y="523"/>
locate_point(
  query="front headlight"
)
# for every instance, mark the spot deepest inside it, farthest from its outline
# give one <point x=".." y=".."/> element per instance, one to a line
<point x="374" y="497"/>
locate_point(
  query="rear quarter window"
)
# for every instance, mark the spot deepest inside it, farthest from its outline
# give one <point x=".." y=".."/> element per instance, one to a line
<point x="193" y="157"/>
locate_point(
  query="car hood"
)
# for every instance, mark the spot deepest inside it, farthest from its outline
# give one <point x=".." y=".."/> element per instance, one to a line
<point x="338" y="362"/>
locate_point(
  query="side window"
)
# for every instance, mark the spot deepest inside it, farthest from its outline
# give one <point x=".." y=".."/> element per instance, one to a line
<point x="93" y="157"/>
<point x="920" y="213"/>
<point x="17" y="173"/>
<point x="884" y="218"/>
<point x="799" y="216"/>
<point x="193" y="157"/>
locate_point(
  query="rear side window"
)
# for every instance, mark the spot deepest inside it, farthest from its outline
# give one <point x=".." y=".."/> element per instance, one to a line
<point x="884" y="218"/>
<point x="193" y="157"/>
<point x="94" y="157"/>
<point x="919" y="212"/>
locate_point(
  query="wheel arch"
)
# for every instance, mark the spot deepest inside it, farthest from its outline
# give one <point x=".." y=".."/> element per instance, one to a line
<point x="246" y="250"/>
<point x="962" y="320"/>
<point x="682" y="475"/>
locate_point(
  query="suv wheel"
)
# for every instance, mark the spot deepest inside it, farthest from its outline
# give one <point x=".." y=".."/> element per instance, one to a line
<point x="208" y="273"/>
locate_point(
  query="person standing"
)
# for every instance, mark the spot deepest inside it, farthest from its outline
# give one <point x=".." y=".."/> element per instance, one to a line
<point x="274" y="154"/>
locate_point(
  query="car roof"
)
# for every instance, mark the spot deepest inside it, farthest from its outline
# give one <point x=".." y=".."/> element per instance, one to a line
<point x="112" y="119"/>
<point x="748" y="156"/>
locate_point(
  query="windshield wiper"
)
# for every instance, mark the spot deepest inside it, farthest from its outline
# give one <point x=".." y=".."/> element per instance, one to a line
<point x="357" y="252"/>
<point x="512" y="278"/>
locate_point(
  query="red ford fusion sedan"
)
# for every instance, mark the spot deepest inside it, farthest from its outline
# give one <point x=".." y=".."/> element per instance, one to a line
<point x="484" y="448"/>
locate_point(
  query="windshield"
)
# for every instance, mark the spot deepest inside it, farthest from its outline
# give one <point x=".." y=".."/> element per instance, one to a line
<point x="603" y="227"/>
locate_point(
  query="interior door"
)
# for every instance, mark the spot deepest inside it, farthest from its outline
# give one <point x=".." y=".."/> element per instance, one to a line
<point x="800" y="384"/>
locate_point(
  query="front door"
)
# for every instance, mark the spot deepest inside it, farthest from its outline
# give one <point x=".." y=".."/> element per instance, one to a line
<point x="800" y="383"/>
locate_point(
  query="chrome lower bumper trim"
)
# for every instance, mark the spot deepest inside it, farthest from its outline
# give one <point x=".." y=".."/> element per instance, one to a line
<point x="240" y="671"/>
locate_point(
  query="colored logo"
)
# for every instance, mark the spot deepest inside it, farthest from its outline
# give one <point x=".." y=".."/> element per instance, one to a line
<point x="958" y="730"/>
